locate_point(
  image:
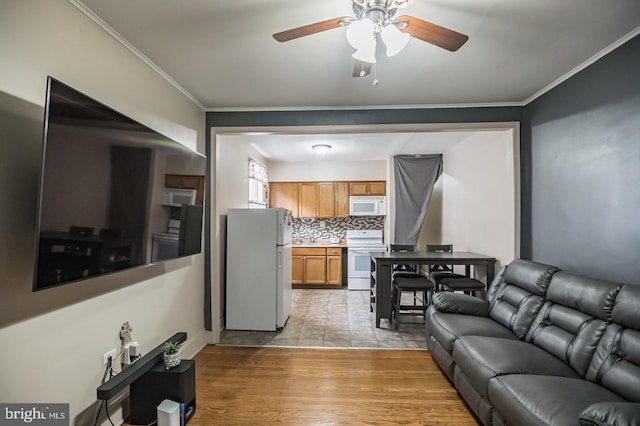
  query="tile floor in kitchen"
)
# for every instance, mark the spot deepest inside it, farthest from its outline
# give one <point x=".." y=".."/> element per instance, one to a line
<point x="333" y="318"/>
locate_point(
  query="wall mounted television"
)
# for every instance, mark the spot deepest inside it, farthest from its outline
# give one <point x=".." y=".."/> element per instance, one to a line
<point x="100" y="203"/>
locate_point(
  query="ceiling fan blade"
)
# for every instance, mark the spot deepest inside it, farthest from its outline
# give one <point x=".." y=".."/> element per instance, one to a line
<point x="432" y="33"/>
<point x="312" y="28"/>
<point x="360" y="69"/>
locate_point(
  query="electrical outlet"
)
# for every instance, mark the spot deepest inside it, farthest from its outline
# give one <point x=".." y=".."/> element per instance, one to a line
<point x="111" y="354"/>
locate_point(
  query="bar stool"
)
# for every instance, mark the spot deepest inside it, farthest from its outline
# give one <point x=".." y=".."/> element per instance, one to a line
<point x="408" y="278"/>
<point x="439" y="272"/>
<point x="466" y="285"/>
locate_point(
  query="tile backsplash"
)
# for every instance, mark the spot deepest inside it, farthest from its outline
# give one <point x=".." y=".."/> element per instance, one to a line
<point x="334" y="227"/>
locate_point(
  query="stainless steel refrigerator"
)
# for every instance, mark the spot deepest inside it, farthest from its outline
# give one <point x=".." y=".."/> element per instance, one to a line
<point x="258" y="285"/>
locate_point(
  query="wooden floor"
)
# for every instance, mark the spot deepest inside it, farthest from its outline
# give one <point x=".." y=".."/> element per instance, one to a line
<point x="297" y="386"/>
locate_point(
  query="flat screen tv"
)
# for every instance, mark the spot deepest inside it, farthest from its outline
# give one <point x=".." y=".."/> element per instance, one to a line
<point x="102" y="181"/>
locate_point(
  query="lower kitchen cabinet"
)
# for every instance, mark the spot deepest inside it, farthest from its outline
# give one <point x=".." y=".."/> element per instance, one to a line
<point x="316" y="267"/>
<point x="334" y="266"/>
<point x="297" y="269"/>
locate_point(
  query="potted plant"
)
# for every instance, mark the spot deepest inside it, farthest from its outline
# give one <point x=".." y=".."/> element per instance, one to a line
<point x="171" y="354"/>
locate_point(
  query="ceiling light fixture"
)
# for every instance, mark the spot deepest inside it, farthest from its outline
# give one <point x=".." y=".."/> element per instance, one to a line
<point x="376" y="19"/>
<point x="321" y="148"/>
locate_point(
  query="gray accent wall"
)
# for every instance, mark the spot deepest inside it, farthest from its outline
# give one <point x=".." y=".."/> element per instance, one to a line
<point x="581" y="170"/>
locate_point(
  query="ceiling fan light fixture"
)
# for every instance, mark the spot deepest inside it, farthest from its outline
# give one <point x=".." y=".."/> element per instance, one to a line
<point x="321" y="148"/>
<point x="365" y="55"/>
<point x="360" y="33"/>
<point x="394" y="39"/>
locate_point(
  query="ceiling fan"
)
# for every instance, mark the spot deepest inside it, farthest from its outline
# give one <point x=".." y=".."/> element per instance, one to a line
<point x="374" y="19"/>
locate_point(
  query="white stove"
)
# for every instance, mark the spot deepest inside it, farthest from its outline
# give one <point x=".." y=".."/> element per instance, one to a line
<point x="360" y="246"/>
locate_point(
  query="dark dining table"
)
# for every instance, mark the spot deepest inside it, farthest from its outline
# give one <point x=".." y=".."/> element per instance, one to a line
<point x="382" y="265"/>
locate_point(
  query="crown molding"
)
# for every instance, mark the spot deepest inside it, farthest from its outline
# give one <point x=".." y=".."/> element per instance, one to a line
<point x="112" y="32"/>
<point x="367" y="107"/>
<point x="582" y="66"/>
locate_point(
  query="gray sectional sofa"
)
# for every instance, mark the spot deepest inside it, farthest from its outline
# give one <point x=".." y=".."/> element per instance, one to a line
<point x="546" y="348"/>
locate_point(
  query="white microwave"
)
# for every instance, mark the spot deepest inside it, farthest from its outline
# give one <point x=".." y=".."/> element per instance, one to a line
<point x="176" y="197"/>
<point x="367" y="205"/>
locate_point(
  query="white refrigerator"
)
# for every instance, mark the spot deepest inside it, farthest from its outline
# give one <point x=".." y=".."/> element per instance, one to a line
<point x="258" y="285"/>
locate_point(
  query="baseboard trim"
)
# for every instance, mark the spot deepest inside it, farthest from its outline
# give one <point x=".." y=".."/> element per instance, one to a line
<point x="194" y="344"/>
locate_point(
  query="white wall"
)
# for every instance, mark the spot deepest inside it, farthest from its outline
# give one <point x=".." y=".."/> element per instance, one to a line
<point x="327" y="171"/>
<point x="479" y="197"/>
<point x="232" y="191"/>
<point x="54" y="339"/>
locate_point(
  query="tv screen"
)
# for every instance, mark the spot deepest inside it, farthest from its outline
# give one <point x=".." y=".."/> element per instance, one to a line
<point x="114" y="194"/>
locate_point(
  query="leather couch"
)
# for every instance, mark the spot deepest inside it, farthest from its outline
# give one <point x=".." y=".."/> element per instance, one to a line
<point x="546" y="347"/>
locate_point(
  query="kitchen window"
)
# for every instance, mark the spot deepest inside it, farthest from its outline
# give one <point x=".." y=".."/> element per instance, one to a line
<point x="258" y="184"/>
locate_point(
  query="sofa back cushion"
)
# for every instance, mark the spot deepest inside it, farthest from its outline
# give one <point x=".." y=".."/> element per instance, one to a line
<point x="616" y="363"/>
<point x="574" y="318"/>
<point x="517" y="294"/>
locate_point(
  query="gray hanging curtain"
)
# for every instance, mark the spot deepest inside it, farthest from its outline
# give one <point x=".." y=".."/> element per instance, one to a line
<point x="415" y="176"/>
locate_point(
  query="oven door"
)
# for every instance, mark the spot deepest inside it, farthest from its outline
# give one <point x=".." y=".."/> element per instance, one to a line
<point x="359" y="263"/>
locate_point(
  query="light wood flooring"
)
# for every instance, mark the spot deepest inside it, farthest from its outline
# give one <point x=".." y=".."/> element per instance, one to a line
<point x="300" y="386"/>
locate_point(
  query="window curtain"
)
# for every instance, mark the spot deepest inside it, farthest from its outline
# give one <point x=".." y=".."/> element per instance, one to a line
<point x="415" y="176"/>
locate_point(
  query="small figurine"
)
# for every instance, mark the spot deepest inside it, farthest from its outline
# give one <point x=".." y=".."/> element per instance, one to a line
<point x="125" y="333"/>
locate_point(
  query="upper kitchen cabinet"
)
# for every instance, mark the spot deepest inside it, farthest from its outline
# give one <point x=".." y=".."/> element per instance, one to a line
<point x="308" y="199"/>
<point x="320" y="199"/>
<point x="285" y="195"/>
<point x="326" y="199"/>
<point x="368" y="188"/>
<point x="187" y="182"/>
<point x="341" y="207"/>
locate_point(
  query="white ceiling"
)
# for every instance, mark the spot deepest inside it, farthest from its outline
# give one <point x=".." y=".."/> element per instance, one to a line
<point x="222" y="55"/>
<point x="350" y="147"/>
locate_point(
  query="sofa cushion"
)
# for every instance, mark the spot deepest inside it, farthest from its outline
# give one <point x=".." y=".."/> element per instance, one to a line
<point x="523" y="399"/>
<point x="446" y="328"/>
<point x="574" y="319"/>
<point x="530" y="276"/>
<point x="483" y="358"/>
<point x="589" y="295"/>
<point x="626" y="310"/>
<point x="616" y="362"/>
<point x="456" y="303"/>
<point x="517" y="300"/>
<point x="611" y="414"/>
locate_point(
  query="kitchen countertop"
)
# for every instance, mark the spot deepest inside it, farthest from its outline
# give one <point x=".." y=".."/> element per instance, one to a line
<point x="320" y="244"/>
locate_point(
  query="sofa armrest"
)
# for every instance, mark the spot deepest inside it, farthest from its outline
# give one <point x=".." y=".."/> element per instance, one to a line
<point x="455" y="303"/>
<point x="611" y="414"/>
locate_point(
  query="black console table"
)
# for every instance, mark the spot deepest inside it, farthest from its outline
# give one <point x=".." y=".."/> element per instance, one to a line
<point x="111" y="387"/>
<point x="177" y="384"/>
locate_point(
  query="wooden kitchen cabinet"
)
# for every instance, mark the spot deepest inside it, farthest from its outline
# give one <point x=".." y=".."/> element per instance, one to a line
<point x="334" y="266"/>
<point x="285" y="195"/>
<point x="341" y="203"/>
<point x="315" y="269"/>
<point x="187" y="182"/>
<point x="297" y="269"/>
<point x="326" y="199"/>
<point x="317" y="266"/>
<point x="308" y="199"/>
<point x="320" y="199"/>
<point x="368" y="188"/>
